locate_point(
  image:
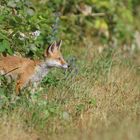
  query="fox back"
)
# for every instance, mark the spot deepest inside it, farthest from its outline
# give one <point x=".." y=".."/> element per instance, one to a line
<point x="26" y="71"/>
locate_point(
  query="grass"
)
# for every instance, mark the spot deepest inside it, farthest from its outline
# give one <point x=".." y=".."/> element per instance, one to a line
<point x="98" y="98"/>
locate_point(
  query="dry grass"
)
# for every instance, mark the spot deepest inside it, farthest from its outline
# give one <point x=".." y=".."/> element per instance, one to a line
<point x="13" y="129"/>
<point x="116" y="114"/>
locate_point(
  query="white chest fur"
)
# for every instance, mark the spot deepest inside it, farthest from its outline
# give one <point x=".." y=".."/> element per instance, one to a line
<point x="40" y="72"/>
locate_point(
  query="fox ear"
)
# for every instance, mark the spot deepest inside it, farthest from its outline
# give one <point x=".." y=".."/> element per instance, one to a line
<point x="50" y="49"/>
<point x="59" y="44"/>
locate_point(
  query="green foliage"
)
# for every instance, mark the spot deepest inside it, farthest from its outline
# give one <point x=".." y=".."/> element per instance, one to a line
<point x="27" y="28"/>
<point x="21" y="25"/>
<point x="117" y="23"/>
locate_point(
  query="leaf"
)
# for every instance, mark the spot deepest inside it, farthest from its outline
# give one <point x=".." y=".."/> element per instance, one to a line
<point x="11" y="4"/>
<point x="92" y="101"/>
<point x="30" y="12"/>
<point x="2" y="49"/>
<point x="1" y="91"/>
<point x="80" y="107"/>
<point x="2" y="18"/>
<point x="5" y="46"/>
<point x="101" y="24"/>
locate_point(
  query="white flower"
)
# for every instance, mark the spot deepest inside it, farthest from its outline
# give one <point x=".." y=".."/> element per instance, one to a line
<point x="35" y="34"/>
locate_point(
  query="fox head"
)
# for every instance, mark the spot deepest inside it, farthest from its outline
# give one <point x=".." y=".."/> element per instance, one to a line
<point x="54" y="57"/>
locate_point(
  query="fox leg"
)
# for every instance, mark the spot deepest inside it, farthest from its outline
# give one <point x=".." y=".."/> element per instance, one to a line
<point x="18" y="87"/>
<point x="21" y="82"/>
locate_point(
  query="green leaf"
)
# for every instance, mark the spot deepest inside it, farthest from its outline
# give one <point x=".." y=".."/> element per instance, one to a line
<point x="5" y="46"/>
<point x="2" y="49"/>
<point x="80" y="107"/>
<point x="11" y="4"/>
<point x="92" y="101"/>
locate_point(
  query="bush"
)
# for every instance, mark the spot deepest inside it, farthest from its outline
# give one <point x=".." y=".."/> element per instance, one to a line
<point x="27" y="28"/>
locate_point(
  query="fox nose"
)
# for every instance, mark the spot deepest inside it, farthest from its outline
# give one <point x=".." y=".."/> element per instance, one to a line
<point x="65" y="66"/>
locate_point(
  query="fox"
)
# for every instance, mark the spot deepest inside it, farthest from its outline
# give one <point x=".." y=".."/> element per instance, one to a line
<point x="26" y="71"/>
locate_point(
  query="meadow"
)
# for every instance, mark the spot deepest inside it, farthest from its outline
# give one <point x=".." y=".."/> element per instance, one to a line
<point x="97" y="98"/>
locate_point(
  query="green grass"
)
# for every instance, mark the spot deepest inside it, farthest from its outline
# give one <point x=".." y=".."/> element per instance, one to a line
<point x="98" y="98"/>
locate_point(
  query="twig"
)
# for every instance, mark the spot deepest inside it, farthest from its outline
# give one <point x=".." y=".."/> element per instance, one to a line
<point x="10" y="71"/>
<point x="97" y="14"/>
<point x="82" y="15"/>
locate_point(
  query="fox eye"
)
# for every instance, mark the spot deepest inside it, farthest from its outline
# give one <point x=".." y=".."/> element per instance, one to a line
<point x="59" y="58"/>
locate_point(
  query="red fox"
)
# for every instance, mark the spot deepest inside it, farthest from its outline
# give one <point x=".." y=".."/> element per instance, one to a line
<point x="26" y="71"/>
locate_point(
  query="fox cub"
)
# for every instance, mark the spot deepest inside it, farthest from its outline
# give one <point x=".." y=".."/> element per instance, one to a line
<point x="26" y="71"/>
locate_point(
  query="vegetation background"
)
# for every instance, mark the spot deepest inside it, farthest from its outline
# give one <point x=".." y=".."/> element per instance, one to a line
<point x="99" y="96"/>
